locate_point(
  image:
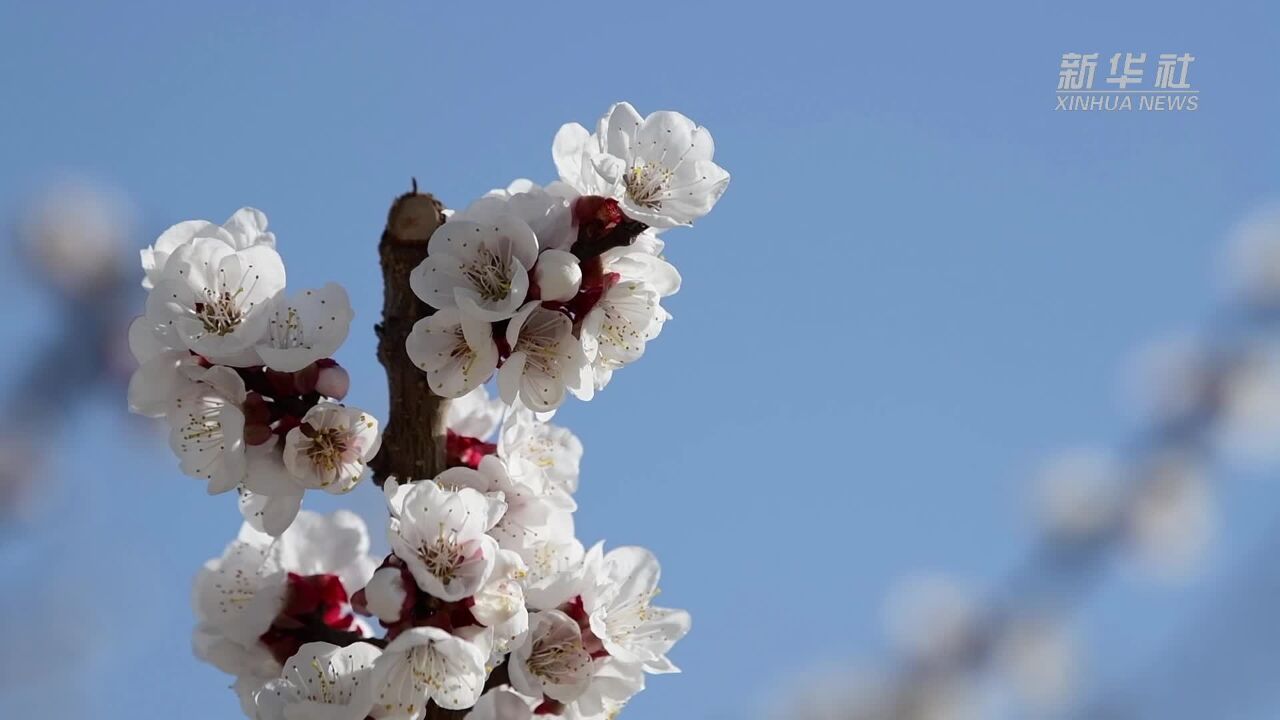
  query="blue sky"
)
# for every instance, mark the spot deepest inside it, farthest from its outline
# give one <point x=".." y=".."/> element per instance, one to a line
<point x="921" y="281"/>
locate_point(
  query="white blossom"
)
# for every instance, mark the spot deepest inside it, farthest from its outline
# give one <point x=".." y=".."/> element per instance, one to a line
<point x="331" y="447"/>
<point x="1037" y="653"/>
<point x="207" y="428"/>
<point x="552" y="659"/>
<point x="612" y="685"/>
<point x="480" y="268"/>
<point x="321" y="682"/>
<point x="1248" y="419"/>
<point x="629" y="314"/>
<point x="486" y="569"/>
<point x="1079" y="494"/>
<point x="309" y="326"/>
<point x="456" y="350"/>
<point x="546" y="359"/>
<point x="270" y="514"/>
<point x="73" y="231"/>
<point x="539" y="454"/>
<point x="502" y="597"/>
<point x="532" y="516"/>
<point x="270" y="495"/>
<point x="618" y="601"/>
<point x="251" y="664"/>
<point x="547" y="211"/>
<point x="500" y="602"/>
<point x="519" y="185"/>
<point x="385" y="594"/>
<point x="216" y="300"/>
<point x="334" y="544"/>
<point x="502" y="704"/>
<point x="555" y="572"/>
<point x="1254" y="257"/>
<point x="428" y="664"/>
<point x="246" y="228"/>
<point x="658" y="167"/>
<point x="440" y="535"/>
<point x="1171" y="520"/>
<point x="475" y="414"/>
<point x="160" y="373"/>
<point x="236" y="597"/>
<point x="931" y="618"/>
<point x="1173" y="379"/>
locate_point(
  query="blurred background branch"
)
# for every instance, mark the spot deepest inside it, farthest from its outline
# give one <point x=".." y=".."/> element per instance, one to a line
<point x="1208" y="403"/>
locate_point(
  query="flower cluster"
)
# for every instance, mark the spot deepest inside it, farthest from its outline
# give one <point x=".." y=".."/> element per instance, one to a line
<point x="487" y="598"/>
<point x="242" y="372"/>
<point x="555" y="288"/>
<point x="487" y="601"/>
<point x="268" y="603"/>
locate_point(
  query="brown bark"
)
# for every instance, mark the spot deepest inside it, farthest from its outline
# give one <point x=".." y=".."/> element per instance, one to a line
<point x="413" y="442"/>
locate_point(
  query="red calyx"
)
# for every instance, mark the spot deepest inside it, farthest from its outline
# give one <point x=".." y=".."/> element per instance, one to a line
<point x="500" y="339"/>
<point x="319" y="597"/>
<point x="578" y="613"/>
<point x="595" y="216"/>
<point x="258" y="434"/>
<point x="257" y="419"/>
<point x="461" y="450"/>
<point x="276" y="401"/>
<point x="601" y="226"/>
<point x="316" y="609"/>
<point x="575" y="610"/>
<point x="281" y="383"/>
<point x="256" y="410"/>
<point x="549" y="707"/>
<point x="594" y="286"/>
<point x="461" y="616"/>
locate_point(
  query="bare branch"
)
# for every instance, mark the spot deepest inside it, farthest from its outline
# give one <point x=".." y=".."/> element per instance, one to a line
<point x="413" y="443"/>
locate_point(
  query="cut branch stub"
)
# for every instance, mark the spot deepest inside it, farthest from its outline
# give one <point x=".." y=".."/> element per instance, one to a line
<point x="413" y="442"/>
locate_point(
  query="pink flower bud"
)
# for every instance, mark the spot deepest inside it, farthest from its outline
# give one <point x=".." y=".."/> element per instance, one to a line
<point x="333" y="382"/>
<point x="304" y="380"/>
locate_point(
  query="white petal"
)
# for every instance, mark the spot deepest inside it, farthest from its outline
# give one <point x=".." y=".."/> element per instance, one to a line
<point x="618" y="129"/>
<point x="309" y="326"/>
<point x="567" y="149"/>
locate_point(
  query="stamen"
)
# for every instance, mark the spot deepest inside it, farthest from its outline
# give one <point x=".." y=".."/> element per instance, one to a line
<point x="221" y="314"/>
<point x="443" y="557"/>
<point x="327" y="449"/>
<point x="490" y="275"/>
<point x="647" y="184"/>
<point x="286" y="333"/>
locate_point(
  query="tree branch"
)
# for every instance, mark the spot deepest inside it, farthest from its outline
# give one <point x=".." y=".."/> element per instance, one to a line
<point x="413" y="442"/>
